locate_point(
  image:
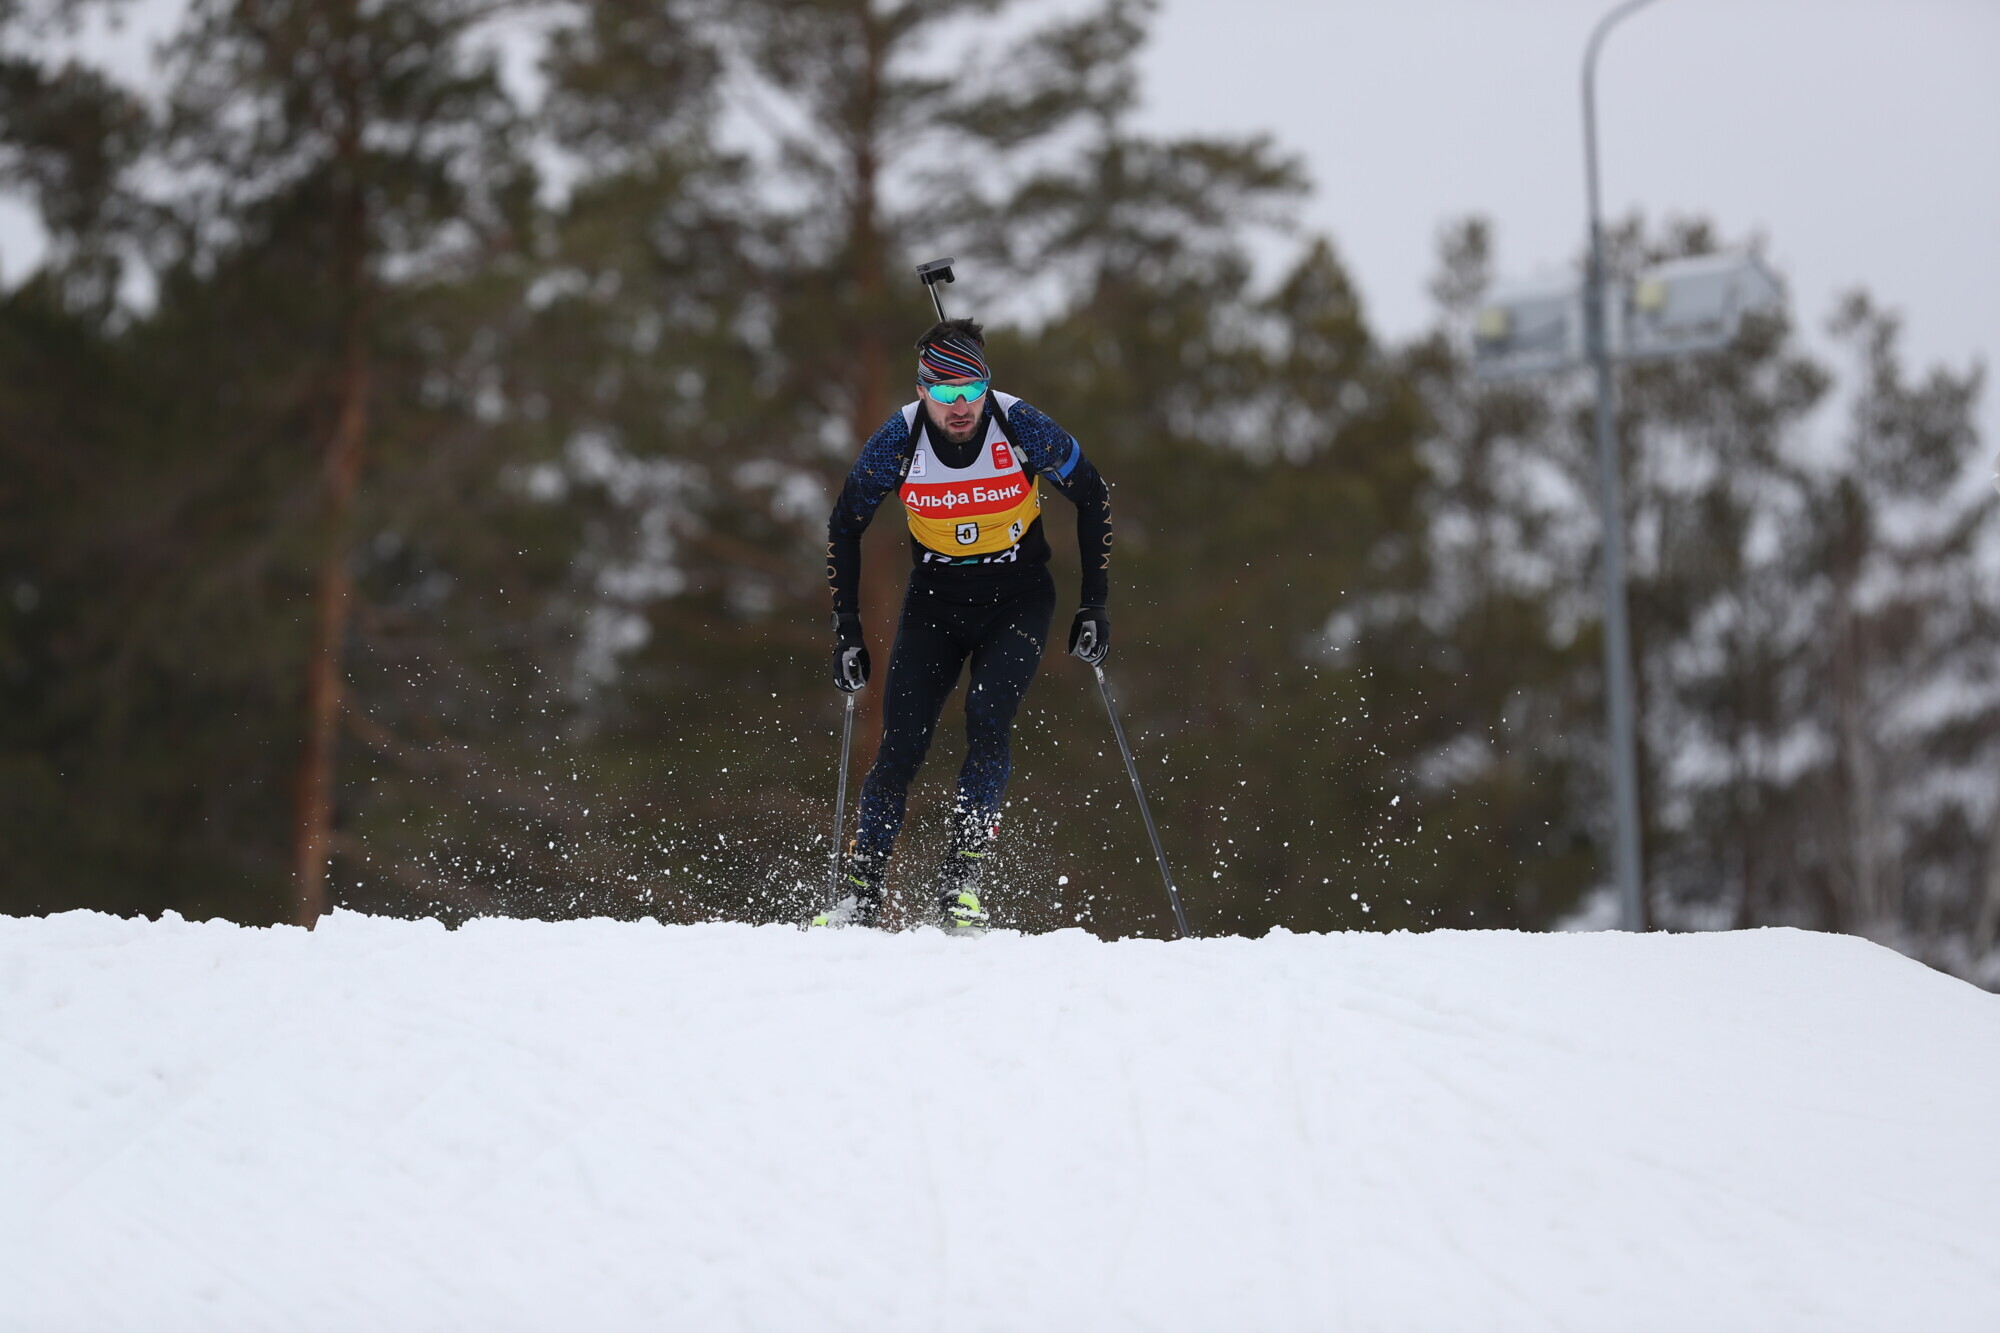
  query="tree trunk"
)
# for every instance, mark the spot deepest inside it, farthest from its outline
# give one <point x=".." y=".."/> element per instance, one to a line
<point x="325" y="671"/>
<point x="882" y="556"/>
<point x="326" y="668"/>
<point x="1742" y="780"/>
<point x="1987" y="926"/>
<point x="1866" y="905"/>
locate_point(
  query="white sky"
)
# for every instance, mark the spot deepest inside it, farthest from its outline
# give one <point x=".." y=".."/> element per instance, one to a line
<point x="1861" y="137"/>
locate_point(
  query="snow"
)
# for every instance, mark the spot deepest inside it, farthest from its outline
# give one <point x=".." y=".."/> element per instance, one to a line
<point x="524" y="1125"/>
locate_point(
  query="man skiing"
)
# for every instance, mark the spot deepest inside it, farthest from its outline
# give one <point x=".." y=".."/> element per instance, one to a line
<point x="968" y="463"/>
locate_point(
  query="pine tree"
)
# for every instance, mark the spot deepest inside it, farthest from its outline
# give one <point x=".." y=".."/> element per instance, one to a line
<point x="1262" y="450"/>
<point x="1816" y="700"/>
<point x="377" y="145"/>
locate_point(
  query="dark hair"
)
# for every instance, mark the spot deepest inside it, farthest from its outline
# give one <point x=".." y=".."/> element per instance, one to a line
<point x="954" y="328"/>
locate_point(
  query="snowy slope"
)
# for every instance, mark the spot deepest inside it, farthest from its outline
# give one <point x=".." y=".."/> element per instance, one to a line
<point x="382" y="1125"/>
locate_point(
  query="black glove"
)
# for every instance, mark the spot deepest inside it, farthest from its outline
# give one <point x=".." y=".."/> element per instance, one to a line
<point x="1090" y="634"/>
<point x="850" y="654"/>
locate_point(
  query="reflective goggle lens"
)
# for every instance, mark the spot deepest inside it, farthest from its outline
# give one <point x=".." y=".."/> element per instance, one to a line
<point x="954" y="393"/>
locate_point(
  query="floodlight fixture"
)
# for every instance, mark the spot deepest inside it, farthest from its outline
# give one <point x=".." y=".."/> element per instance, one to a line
<point x="1529" y="328"/>
<point x="1680" y="308"/>
<point x="1694" y="305"/>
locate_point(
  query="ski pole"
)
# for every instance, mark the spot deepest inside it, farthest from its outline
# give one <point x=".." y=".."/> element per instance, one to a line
<point x="840" y="802"/>
<point x="1118" y="730"/>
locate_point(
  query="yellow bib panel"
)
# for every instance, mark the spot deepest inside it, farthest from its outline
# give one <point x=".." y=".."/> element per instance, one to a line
<point x="970" y="511"/>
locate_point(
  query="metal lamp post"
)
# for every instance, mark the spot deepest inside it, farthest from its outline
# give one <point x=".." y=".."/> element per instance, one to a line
<point x="1683" y="307"/>
<point x="1611" y="497"/>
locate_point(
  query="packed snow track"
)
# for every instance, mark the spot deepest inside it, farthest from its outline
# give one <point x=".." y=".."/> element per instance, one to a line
<point x="596" y="1125"/>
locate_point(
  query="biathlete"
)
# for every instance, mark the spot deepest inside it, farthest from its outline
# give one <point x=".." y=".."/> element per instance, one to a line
<point x="968" y="463"/>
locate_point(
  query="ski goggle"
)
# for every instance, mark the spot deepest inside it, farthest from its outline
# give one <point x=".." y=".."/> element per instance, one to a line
<point x="957" y="393"/>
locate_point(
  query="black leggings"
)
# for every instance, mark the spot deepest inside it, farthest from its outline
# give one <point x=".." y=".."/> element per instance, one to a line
<point x="939" y="630"/>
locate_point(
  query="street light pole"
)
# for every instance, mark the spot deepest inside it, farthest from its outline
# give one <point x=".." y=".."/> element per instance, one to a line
<point x="1619" y="709"/>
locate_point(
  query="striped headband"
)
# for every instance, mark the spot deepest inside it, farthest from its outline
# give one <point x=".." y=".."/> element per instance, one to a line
<point x="951" y="359"/>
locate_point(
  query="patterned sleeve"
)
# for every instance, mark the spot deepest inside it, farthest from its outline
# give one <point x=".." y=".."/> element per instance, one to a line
<point x="878" y="471"/>
<point x="1052" y="452"/>
<point x="1049" y="449"/>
